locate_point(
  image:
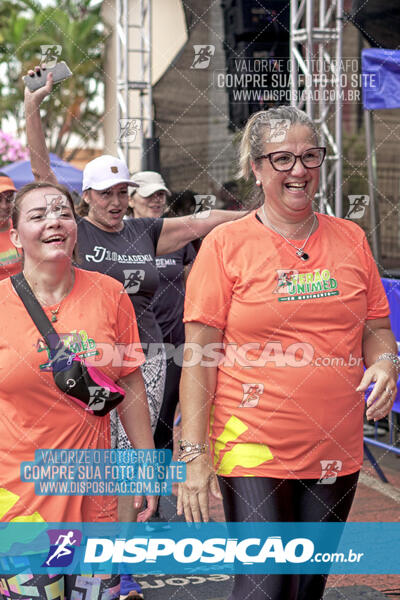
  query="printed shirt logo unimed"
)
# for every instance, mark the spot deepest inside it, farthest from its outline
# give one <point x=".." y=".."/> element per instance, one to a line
<point x="292" y="285"/>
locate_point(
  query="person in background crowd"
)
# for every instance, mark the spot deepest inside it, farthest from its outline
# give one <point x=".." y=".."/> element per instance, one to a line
<point x="300" y="292"/>
<point x="34" y="412"/>
<point x="123" y="249"/>
<point x="10" y="259"/>
<point x="149" y="200"/>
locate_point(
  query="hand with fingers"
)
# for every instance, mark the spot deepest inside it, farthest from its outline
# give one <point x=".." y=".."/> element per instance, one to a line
<point x="193" y="494"/>
<point x="383" y="374"/>
<point x="36" y="97"/>
<point x="149" y="511"/>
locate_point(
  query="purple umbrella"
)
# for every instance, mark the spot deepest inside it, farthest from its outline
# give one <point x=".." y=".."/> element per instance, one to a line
<point x="21" y="173"/>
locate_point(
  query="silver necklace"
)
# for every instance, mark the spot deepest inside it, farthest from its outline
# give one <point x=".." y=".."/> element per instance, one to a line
<point x="299" y="251"/>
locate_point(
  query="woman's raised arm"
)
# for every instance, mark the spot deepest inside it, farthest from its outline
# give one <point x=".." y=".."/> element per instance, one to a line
<point x="39" y="154"/>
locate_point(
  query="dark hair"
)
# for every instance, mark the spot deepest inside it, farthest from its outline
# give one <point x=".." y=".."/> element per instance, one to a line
<point x="83" y="207"/>
<point x="37" y="185"/>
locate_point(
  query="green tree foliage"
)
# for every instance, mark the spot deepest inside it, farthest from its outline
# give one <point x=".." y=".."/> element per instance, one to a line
<point x="73" y="108"/>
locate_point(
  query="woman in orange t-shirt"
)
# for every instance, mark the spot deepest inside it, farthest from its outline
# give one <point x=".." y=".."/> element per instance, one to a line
<point x="35" y="414"/>
<point x="282" y="310"/>
<point x="10" y="259"/>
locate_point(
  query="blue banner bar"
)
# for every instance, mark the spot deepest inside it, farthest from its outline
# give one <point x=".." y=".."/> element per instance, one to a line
<point x="173" y="548"/>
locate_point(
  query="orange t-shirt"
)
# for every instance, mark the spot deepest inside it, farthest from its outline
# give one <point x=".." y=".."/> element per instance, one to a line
<point x="10" y="260"/>
<point x="285" y="403"/>
<point x="35" y="414"/>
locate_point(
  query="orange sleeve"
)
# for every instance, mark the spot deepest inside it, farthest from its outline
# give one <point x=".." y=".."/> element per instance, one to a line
<point x="128" y="340"/>
<point x="209" y="286"/>
<point x="378" y="305"/>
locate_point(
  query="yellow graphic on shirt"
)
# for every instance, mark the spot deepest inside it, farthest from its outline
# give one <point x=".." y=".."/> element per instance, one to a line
<point x="7" y="501"/>
<point x="248" y="455"/>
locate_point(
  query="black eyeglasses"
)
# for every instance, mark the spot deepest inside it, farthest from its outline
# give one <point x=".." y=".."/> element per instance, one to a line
<point x="285" y="161"/>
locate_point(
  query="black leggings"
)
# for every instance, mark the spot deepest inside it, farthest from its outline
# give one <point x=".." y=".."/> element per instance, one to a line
<point x="163" y="435"/>
<point x="292" y="500"/>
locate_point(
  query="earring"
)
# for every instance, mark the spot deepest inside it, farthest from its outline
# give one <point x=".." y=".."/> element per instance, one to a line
<point x="258" y="182"/>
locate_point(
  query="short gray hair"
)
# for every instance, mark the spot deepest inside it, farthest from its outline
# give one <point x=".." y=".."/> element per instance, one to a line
<point x="254" y="133"/>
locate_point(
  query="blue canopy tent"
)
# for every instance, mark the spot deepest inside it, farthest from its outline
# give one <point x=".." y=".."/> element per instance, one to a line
<point x="381" y="90"/>
<point x="21" y="173"/>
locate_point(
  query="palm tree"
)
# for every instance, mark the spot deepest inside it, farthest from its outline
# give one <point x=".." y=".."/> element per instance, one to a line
<point x="76" y="27"/>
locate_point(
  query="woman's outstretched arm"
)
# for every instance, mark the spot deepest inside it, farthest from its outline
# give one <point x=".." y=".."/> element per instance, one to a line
<point x="39" y="154"/>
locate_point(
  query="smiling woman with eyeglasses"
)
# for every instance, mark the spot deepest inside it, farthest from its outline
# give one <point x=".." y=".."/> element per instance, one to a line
<point x="293" y="306"/>
<point x="285" y="161"/>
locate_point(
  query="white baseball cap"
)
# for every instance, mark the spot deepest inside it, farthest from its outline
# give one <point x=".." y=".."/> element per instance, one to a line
<point x="105" y="171"/>
<point x="149" y="182"/>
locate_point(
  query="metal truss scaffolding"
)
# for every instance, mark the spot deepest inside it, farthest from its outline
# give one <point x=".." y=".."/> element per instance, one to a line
<point x="134" y="91"/>
<point x="316" y="56"/>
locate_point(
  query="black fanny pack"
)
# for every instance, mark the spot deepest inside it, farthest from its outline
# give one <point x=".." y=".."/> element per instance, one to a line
<point x="86" y="385"/>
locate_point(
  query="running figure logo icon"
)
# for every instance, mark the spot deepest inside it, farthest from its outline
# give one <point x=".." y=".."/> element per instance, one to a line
<point x="50" y="54"/>
<point x="329" y="471"/>
<point x="204" y="205"/>
<point x="133" y="280"/>
<point x="62" y="547"/>
<point x="251" y="394"/>
<point x="98" y="397"/>
<point x="55" y="204"/>
<point x="128" y="129"/>
<point x="357" y="206"/>
<point x="202" y="56"/>
<point x="279" y="129"/>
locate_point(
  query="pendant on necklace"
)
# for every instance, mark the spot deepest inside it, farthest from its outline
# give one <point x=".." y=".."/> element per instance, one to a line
<point x="54" y="318"/>
<point x="302" y="255"/>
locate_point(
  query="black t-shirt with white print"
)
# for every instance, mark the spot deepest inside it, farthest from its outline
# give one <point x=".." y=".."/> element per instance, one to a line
<point x="129" y="257"/>
<point x="168" y="301"/>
